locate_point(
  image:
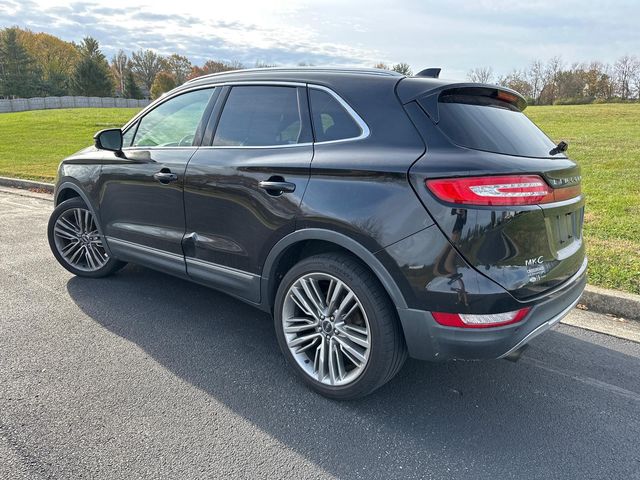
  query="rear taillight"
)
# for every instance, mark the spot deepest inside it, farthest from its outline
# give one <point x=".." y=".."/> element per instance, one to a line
<point x="465" y="320"/>
<point x="499" y="190"/>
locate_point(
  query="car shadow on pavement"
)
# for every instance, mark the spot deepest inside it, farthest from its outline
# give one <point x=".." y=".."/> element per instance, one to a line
<point x="457" y="419"/>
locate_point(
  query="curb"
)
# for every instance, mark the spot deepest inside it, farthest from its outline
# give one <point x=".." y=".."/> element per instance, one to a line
<point x="612" y="302"/>
<point x="596" y="299"/>
<point x="39" y="187"/>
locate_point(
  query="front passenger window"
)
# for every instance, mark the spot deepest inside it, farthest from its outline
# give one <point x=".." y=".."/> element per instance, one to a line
<point x="173" y="123"/>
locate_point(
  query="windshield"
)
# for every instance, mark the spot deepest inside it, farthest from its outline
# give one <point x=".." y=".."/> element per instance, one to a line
<point x="492" y="125"/>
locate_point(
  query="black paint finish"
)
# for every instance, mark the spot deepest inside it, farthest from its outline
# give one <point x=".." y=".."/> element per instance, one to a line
<point x="227" y="217"/>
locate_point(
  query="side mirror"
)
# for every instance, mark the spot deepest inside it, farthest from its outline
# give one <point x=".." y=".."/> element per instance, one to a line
<point x="109" y="139"/>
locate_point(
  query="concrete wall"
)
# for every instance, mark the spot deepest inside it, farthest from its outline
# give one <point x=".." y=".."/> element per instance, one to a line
<point x="43" y="103"/>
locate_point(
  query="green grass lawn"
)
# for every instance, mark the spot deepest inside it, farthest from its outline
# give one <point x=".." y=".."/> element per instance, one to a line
<point x="33" y="143"/>
<point x="604" y="139"/>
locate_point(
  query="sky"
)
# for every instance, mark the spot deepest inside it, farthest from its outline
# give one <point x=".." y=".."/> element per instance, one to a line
<point x="456" y="35"/>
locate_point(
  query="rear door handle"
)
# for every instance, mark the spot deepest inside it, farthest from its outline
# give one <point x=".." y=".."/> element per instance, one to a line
<point x="165" y="176"/>
<point x="277" y="187"/>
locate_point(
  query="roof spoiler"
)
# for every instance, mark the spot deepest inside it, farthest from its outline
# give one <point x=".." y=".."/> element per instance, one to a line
<point x="429" y="73"/>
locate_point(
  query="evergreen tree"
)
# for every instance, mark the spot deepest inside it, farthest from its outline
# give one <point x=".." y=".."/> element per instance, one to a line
<point x="131" y="88"/>
<point x="19" y="75"/>
<point x="92" y="76"/>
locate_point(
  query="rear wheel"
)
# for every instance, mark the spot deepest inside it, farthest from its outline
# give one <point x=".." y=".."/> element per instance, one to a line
<point x="76" y="243"/>
<point x="337" y="328"/>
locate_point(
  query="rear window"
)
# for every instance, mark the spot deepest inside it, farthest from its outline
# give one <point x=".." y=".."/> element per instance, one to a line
<point x="490" y="123"/>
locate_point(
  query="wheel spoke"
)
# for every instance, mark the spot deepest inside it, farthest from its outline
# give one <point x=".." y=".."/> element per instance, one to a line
<point x="301" y="325"/>
<point x="70" y="247"/>
<point x="317" y="293"/>
<point x="336" y="364"/>
<point x="349" y="297"/>
<point x="351" y="310"/>
<point x="77" y="215"/>
<point x="308" y="345"/>
<point x="62" y="221"/>
<point x="322" y="362"/>
<point x="64" y="233"/>
<point x="351" y="352"/>
<point x="357" y="338"/>
<point x="87" y="220"/>
<point x="334" y="295"/>
<point x="89" y="258"/>
<point x="313" y="301"/>
<point x="97" y="260"/>
<point x="76" y="255"/>
<point x="301" y="340"/>
<point x="301" y="301"/>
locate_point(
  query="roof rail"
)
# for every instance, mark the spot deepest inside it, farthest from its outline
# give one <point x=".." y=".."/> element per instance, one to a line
<point x="368" y="71"/>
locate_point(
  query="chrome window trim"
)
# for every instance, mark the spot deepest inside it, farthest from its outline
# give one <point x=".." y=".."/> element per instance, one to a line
<point x="364" y="128"/>
<point x="156" y="103"/>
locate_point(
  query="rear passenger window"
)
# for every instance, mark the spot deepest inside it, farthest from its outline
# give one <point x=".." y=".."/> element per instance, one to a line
<point x="259" y="116"/>
<point x="330" y="119"/>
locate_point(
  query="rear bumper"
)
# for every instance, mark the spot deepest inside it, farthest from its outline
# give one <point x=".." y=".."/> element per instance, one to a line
<point x="428" y="340"/>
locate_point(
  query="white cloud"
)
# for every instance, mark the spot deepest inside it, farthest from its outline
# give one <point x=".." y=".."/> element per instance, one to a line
<point x="456" y="35"/>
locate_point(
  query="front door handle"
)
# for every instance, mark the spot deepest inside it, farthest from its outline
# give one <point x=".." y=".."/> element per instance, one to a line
<point x="165" y="176"/>
<point x="277" y="187"/>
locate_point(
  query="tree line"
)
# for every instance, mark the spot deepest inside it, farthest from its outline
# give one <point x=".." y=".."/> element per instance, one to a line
<point x="40" y="64"/>
<point x="554" y="82"/>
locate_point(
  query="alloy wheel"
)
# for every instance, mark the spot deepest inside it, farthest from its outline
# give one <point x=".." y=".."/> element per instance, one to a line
<point x="78" y="240"/>
<point x="326" y="329"/>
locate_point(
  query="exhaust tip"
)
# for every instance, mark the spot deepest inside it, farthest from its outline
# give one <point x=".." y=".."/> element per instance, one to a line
<point x="516" y="354"/>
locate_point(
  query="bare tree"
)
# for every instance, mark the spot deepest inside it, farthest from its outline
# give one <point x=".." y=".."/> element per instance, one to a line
<point x="636" y="84"/>
<point x="480" y="75"/>
<point x="382" y="66"/>
<point x="119" y="69"/>
<point x="517" y="81"/>
<point x="263" y="64"/>
<point x="552" y="70"/>
<point x="145" y="65"/>
<point x="535" y="76"/>
<point x="625" y="70"/>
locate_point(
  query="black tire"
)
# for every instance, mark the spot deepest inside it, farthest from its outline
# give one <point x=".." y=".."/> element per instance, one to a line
<point x="112" y="265"/>
<point x="388" y="350"/>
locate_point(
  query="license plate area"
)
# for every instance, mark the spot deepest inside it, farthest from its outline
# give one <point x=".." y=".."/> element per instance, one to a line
<point x="565" y="229"/>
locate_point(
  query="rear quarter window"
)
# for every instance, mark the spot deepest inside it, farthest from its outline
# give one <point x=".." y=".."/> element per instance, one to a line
<point x="331" y="121"/>
<point x="484" y="123"/>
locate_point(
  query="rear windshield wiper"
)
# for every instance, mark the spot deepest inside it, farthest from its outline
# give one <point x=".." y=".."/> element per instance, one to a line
<point x="561" y="147"/>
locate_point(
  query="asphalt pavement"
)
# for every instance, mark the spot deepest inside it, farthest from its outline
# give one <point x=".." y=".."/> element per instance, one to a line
<point x="141" y="375"/>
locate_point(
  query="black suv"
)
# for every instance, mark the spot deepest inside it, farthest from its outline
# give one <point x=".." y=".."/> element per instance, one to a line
<point x="374" y="215"/>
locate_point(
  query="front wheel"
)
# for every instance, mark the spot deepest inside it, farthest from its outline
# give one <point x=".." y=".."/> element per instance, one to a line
<point x="76" y="242"/>
<point x="337" y="327"/>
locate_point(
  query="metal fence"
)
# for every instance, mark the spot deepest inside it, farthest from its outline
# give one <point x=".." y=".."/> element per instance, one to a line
<point x="43" y="103"/>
